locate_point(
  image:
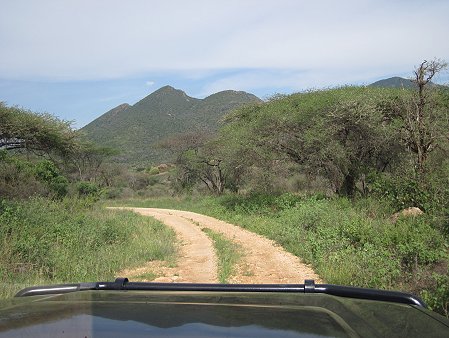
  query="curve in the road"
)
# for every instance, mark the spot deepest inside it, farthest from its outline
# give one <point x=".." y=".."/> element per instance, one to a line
<point x="263" y="260"/>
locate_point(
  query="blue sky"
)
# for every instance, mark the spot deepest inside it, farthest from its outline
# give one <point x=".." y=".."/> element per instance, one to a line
<point x="77" y="59"/>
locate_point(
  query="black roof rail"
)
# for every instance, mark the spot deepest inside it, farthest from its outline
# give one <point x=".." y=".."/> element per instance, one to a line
<point x="55" y="289"/>
<point x="308" y="287"/>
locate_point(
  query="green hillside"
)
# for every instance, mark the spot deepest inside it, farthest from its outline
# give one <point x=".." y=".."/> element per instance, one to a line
<point x="137" y="130"/>
<point x="393" y="82"/>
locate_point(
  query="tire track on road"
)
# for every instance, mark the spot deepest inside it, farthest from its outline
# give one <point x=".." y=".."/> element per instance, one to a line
<point x="263" y="261"/>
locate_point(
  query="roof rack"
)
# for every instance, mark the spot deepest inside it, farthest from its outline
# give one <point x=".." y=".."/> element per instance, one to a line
<point x="308" y="287"/>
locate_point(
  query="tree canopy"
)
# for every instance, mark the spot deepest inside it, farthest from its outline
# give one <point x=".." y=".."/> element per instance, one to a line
<point x="43" y="133"/>
<point x="340" y="134"/>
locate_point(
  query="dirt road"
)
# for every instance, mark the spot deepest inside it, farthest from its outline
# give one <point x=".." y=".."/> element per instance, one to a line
<point x="262" y="261"/>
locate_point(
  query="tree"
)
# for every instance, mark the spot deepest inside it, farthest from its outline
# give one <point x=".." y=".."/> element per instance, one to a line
<point x="38" y="133"/>
<point x="340" y="134"/>
<point x="196" y="161"/>
<point x="422" y="131"/>
<point x="88" y="159"/>
<point x="210" y="167"/>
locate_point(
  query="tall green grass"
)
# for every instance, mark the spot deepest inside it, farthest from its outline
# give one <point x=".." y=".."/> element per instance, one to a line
<point x="45" y="241"/>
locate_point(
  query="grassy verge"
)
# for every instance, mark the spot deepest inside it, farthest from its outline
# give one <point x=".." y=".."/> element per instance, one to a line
<point x="47" y="242"/>
<point x="228" y="253"/>
<point x="348" y="243"/>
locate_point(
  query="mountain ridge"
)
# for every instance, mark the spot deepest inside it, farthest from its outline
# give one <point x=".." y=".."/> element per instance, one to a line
<point x="400" y="82"/>
<point x="136" y="130"/>
<point x="393" y="82"/>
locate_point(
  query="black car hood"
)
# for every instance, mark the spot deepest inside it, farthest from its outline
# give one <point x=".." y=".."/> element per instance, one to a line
<point x="213" y="314"/>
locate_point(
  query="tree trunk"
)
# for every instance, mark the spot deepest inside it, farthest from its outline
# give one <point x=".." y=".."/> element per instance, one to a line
<point x="348" y="186"/>
<point x="421" y="137"/>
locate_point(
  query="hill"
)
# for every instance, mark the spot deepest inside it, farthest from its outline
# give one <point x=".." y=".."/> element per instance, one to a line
<point x="400" y="82"/>
<point x="136" y="130"/>
<point x="393" y="82"/>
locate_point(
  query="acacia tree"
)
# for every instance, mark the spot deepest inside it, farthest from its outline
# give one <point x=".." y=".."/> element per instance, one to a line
<point x="421" y="121"/>
<point x="88" y="160"/>
<point x="194" y="162"/>
<point x="339" y="134"/>
<point x="25" y="132"/>
<point x="38" y="133"/>
<point x="363" y="139"/>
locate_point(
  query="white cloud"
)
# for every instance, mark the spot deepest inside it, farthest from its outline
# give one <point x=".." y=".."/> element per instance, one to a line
<point x="150" y="83"/>
<point x="99" y="39"/>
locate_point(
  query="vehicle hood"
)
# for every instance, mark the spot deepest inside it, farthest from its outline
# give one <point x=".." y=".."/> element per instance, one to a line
<point x="213" y="314"/>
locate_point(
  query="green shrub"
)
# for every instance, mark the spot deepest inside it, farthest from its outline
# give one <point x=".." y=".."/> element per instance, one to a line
<point x="113" y="192"/>
<point x="60" y="186"/>
<point x="85" y="189"/>
<point x="23" y="178"/>
<point x="430" y="194"/>
<point x="47" y="172"/>
<point x="402" y="192"/>
<point x="152" y="180"/>
<point x="438" y="298"/>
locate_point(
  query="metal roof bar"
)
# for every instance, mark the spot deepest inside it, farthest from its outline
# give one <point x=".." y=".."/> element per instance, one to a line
<point x="308" y="287"/>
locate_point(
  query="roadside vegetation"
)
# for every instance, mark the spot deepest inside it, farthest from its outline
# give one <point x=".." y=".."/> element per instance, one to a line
<point x="228" y="253"/>
<point x="48" y="242"/>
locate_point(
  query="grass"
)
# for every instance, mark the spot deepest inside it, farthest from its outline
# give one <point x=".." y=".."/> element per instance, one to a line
<point x="147" y="275"/>
<point x="47" y="242"/>
<point x="228" y="253"/>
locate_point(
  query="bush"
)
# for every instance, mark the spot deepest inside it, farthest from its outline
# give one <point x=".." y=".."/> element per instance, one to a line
<point x="402" y="192"/>
<point x="438" y="298"/>
<point x="86" y="189"/>
<point x="47" y="172"/>
<point x="367" y="266"/>
<point x="59" y="185"/>
<point x="22" y="178"/>
<point x="113" y="192"/>
<point x="414" y="242"/>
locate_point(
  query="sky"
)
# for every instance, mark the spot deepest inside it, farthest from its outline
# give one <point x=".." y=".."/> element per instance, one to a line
<point x="77" y="59"/>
